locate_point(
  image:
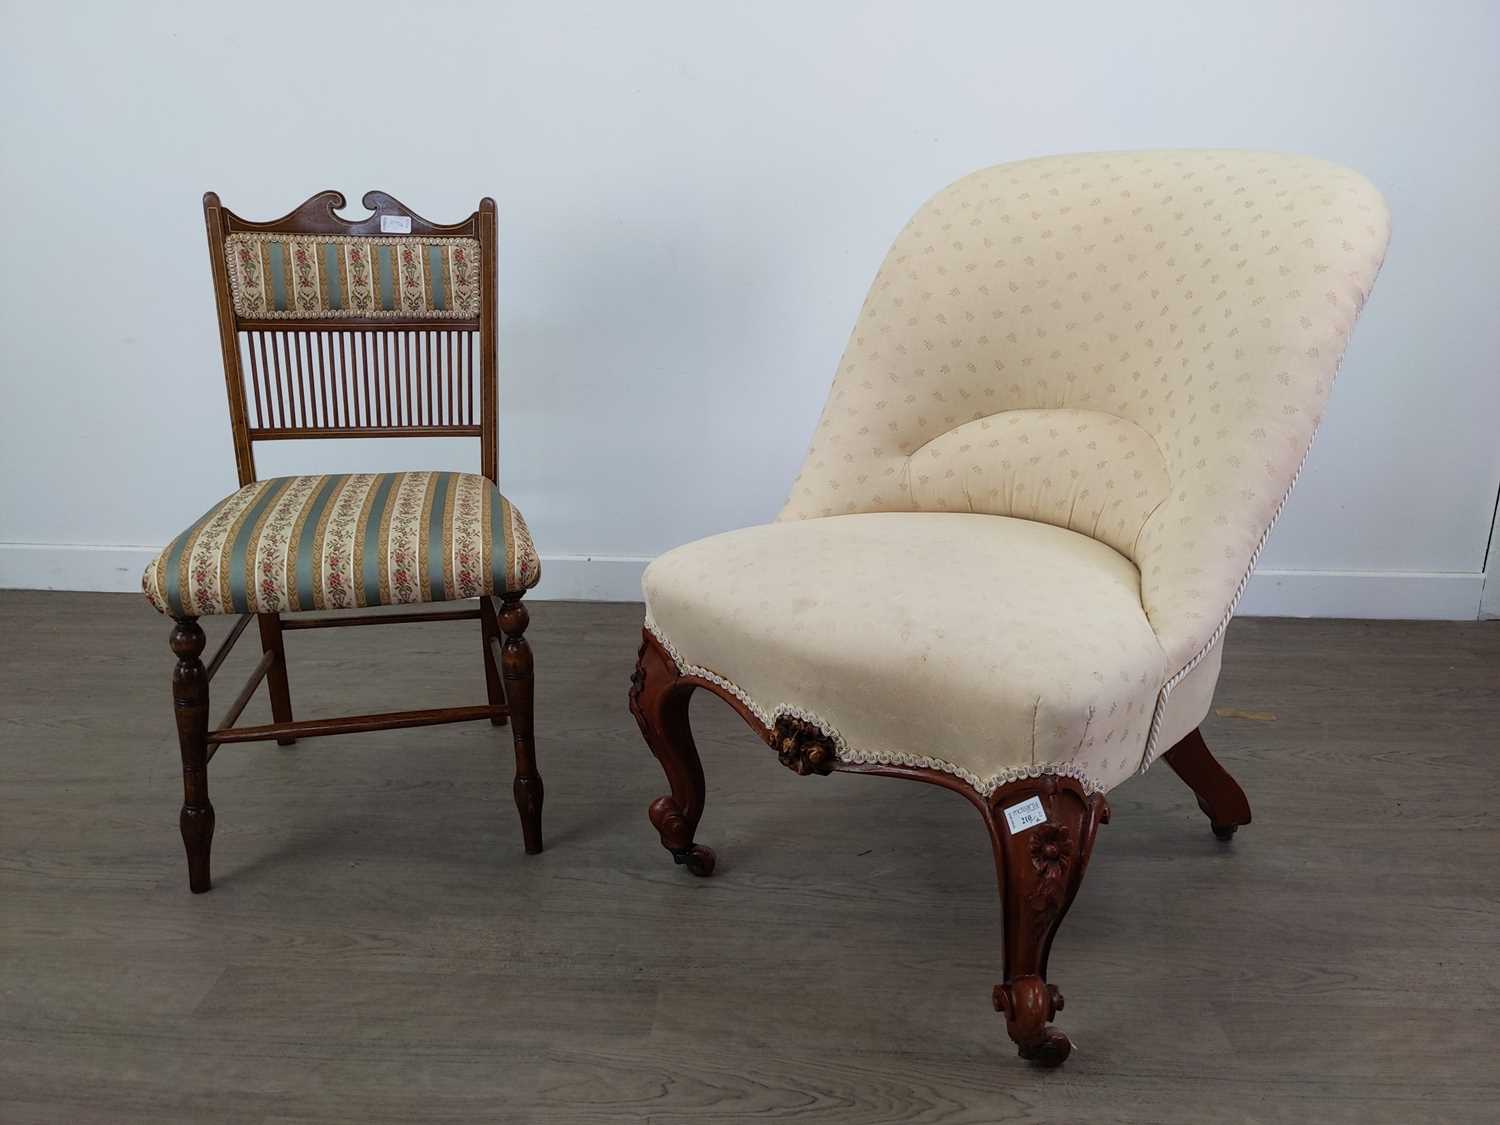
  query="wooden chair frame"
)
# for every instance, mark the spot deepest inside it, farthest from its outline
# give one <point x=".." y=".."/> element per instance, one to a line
<point x="427" y="391"/>
<point x="1039" y="874"/>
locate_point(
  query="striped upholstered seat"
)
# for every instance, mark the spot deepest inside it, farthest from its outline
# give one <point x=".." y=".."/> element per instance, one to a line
<point x="343" y="541"/>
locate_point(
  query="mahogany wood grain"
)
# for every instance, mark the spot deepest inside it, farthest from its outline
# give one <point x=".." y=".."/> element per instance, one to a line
<point x="346" y="619"/>
<point x="314" y="379"/>
<point x="318" y="214"/>
<point x="1039" y="869"/>
<point x="489" y="334"/>
<point x="516" y="671"/>
<point x="355" y="724"/>
<point x="276" y="679"/>
<point x="190" y="706"/>
<point x="227" y="644"/>
<point x="241" y="701"/>
<point x="659" y="698"/>
<point x="215" y="218"/>
<point x="303" y="433"/>
<point x="1219" y="795"/>
<point x="490" y="638"/>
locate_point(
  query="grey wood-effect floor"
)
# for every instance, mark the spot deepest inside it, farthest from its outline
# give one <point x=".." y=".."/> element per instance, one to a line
<point x="377" y="948"/>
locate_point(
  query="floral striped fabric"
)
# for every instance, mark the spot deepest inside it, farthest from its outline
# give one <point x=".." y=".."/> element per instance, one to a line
<point x="338" y="542"/>
<point x="283" y="276"/>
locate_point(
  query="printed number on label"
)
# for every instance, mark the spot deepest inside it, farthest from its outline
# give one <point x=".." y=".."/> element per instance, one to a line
<point x="1028" y="814"/>
<point x="395" y="224"/>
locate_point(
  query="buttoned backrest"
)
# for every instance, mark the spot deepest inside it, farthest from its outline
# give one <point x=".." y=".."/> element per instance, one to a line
<point x="1137" y="346"/>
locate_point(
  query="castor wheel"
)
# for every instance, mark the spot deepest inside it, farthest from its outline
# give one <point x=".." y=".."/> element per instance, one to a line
<point x="1222" y="830"/>
<point x="1028" y="1003"/>
<point x="1050" y="1051"/>
<point x="677" y="837"/>
<point x="697" y="859"/>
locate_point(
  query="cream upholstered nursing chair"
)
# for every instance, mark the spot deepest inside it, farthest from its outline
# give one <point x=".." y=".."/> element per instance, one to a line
<point x="1071" y="409"/>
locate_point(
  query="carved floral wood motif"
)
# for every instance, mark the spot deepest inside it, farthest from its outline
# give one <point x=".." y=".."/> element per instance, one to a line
<point x="803" y="747"/>
<point x="1039" y="870"/>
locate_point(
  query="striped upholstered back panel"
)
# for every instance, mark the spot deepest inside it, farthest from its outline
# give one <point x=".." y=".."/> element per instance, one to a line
<point x="313" y="277"/>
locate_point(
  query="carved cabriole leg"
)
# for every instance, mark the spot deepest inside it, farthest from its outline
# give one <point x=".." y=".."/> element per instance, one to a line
<point x="281" y="693"/>
<point x="190" y="705"/>
<point x="659" y="701"/>
<point x="515" y="663"/>
<point x="1040" y="869"/>
<point x="1219" y="795"/>
<point x="491" y="632"/>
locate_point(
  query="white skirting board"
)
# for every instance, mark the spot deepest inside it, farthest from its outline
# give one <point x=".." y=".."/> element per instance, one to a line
<point x="1429" y="595"/>
<point x="615" y="578"/>
<point x="117" y="569"/>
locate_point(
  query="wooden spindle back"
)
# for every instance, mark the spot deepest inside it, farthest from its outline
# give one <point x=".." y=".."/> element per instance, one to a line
<point x="310" y="355"/>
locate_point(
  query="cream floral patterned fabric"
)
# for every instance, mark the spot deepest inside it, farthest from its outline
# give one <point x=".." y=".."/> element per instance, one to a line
<point x="1135" y="347"/>
<point x="990" y="643"/>
<point x="343" y="541"/>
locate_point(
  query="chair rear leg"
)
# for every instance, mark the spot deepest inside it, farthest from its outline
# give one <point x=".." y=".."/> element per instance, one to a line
<point x="492" y="681"/>
<point x="516" y="667"/>
<point x="190" y="705"/>
<point x="281" y="693"/>
<point x="1219" y="795"/>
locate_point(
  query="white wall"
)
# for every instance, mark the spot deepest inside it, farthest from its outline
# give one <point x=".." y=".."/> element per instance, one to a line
<point x="693" y="199"/>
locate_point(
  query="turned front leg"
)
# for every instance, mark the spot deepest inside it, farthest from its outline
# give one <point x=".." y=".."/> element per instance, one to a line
<point x="516" y="667"/>
<point x="190" y="705"/>
<point x="1040" y="863"/>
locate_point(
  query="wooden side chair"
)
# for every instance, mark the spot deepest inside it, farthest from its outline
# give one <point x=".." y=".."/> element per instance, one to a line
<point x="331" y="328"/>
<point x="1069" y="413"/>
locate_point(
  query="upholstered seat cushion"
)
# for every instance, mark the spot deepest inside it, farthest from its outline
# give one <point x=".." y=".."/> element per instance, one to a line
<point x="986" y="646"/>
<point x="342" y="541"/>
